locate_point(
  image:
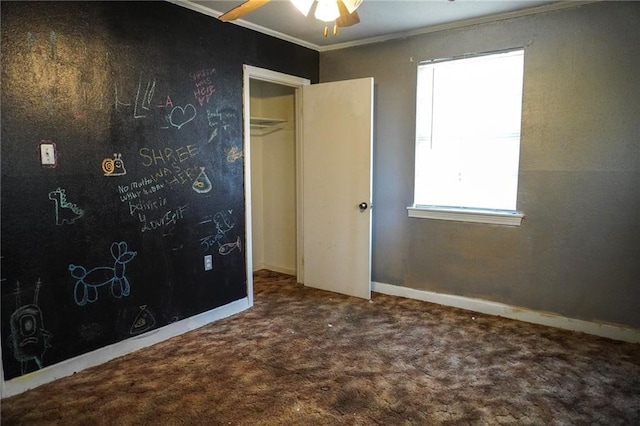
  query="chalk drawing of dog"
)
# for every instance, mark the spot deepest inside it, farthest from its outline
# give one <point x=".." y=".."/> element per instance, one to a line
<point x="88" y="282"/>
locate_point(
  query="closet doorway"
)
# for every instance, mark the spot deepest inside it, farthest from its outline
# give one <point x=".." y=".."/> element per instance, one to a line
<point x="273" y="177"/>
<point x="272" y="170"/>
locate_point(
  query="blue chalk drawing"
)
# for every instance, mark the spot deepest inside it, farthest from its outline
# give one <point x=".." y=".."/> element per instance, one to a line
<point x="86" y="288"/>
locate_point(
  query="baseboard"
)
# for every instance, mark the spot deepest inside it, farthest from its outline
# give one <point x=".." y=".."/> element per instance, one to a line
<point x="274" y="268"/>
<point x="281" y="269"/>
<point x="102" y="355"/>
<point x="507" y="311"/>
<point x="257" y="266"/>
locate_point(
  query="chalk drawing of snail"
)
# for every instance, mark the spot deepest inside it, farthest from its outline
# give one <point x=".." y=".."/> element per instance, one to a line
<point x="113" y="166"/>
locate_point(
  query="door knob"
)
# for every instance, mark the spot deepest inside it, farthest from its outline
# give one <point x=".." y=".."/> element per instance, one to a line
<point x="362" y="206"/>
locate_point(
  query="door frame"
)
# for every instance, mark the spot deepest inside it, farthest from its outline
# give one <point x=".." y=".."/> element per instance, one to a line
<point x="254" y="73"/>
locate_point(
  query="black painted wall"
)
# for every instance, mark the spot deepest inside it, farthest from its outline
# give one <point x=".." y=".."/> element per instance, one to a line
<point x="139" y="107"/>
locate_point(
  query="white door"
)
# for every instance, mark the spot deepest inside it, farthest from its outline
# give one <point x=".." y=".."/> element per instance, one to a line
<point x="337" y="128"/>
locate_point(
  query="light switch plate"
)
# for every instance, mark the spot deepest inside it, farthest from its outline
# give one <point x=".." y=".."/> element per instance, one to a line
<point x="48" y="154"/>
<point x="208" y="262"/>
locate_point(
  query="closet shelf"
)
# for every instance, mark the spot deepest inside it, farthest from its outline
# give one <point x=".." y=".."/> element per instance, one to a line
<point x="262" y="122"/>
<point x="263" y="125"/>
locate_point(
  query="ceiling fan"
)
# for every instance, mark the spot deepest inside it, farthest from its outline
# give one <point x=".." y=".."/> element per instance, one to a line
<point x="341" y="12"/>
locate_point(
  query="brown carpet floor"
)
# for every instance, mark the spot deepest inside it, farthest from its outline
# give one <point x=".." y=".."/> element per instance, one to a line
<point x="302" y="356"/>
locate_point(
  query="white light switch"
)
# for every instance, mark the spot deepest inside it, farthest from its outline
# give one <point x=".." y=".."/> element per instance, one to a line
<point x="208" y="262"/>
<point x="47" y="154"/>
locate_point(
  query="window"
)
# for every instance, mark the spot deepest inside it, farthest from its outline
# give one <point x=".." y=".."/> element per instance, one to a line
<point x="468" y="114"/>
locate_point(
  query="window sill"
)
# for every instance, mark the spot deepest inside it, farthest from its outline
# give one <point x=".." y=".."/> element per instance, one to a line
<point x="494" y="217"/>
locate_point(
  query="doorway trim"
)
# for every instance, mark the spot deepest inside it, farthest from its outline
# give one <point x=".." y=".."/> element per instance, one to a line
<point x="254" y="73"/>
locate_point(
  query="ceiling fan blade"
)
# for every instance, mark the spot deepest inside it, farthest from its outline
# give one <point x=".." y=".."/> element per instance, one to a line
<point x="346" y="19"/>
<point x="239" y="11"/>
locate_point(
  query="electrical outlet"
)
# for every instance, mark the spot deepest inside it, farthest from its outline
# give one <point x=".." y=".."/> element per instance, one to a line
<point x="208" y="262"/>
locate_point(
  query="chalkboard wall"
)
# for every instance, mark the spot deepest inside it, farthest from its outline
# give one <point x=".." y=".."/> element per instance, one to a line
<point x="122" y="170"/>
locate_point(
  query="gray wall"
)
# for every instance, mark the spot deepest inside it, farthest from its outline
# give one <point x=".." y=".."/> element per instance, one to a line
<point x="577" y="252"/>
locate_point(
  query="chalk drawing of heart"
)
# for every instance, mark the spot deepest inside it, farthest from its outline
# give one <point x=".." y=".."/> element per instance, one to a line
<point x="182" y="116"/>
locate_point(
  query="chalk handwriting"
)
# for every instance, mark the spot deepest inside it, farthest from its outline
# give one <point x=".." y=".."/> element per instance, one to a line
<point x="167" y="103"/>
<point x="177" y="176"/>
<point x="171" y="217"/>
<point x="224" y="223"/>
<point x="142" y="101"/>
<point x="88" y="282"/>
<point x="171" y="164"/>
<point x="218" y="119"/>
<point x="145" y="102"/>
<point x="29" y="340"/>
<point x="143" y="106"/>
<point x="202" y="74"/>
<point x="143" y="187"/>
<point x="204" y="93"/>
<point x="146" y="205"/>
<point x="132" y="195"/>
<point x="162" y="157"/>
<point x="204" y="88"/>
<point x="223" y="123"/>
<point x="210" y="241"/>
<point x="66" y="212"/>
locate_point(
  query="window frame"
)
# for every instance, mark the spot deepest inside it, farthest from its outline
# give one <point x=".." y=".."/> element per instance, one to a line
<point x="466" y="214"/>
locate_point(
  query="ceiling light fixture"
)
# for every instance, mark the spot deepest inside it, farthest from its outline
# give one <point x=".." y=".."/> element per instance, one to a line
<point x="341" y="12"/>
<point x="327" y="10"/>
<point x="352" y="5"/>
<point x="304" y="6"/>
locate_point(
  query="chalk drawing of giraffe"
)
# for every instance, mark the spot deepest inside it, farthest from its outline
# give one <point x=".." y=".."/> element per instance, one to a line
<point x="65" y="212"/>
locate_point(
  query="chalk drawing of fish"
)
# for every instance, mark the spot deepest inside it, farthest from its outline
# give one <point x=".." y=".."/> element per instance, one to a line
<point x="227" y="248"/>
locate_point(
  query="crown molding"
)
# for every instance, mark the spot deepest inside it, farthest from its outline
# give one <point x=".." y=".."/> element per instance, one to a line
<point x="245" y="24"/>
<point x="561" y="5"/>
<point x="460" y="24"/>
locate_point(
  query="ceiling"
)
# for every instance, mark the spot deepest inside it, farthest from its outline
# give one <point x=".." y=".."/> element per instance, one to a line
<point x="379" y="19"/>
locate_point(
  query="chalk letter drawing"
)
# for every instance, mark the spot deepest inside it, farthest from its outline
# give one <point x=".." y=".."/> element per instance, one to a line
<point x="86" y="289"/>
<point x="114" y="166"/>
<point x="202" y="183"/>
<point x="28" y="338"/>
<point x="65" y="212"/>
